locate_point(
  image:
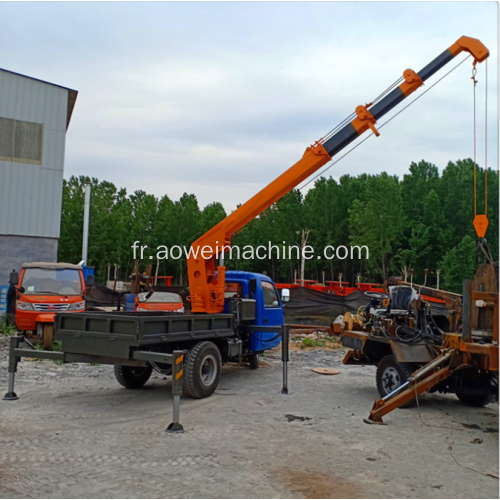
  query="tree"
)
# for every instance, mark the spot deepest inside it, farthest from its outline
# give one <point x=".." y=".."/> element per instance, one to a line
<point x="458" y="264"/>
<point x="378" y="221"/>
<point x="414" y="223"/>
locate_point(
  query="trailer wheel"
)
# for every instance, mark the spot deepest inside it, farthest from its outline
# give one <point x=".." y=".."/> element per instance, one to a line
<point x="391" y="374"/>
<point x="253" y="359"/>
<point x="202" y="370"/>
<point x="132" y="377"/>
<point x="475" y="399"/>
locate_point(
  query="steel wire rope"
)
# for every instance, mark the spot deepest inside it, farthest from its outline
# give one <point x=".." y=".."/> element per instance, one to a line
<point x="352" y="115"/>
<point x="381" y="126"/>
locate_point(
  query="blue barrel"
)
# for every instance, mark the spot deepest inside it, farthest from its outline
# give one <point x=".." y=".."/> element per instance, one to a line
<point x="130" y="302"/>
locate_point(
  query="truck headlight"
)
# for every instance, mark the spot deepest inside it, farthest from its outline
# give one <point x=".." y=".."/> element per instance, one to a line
<point x="77" y="306"/>
<point x="24" y="306"/>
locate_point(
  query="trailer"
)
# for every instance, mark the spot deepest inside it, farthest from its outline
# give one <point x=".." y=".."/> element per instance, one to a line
<point x="414" y="355"/>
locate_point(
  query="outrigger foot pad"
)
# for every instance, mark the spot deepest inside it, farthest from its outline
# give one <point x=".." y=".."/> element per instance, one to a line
<point x="369" y="421"/>
<point x="10" y="396"/>
<point x="175" y="428"/>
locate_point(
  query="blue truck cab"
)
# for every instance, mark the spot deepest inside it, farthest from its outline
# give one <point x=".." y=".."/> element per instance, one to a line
<point x="257" y="293"/>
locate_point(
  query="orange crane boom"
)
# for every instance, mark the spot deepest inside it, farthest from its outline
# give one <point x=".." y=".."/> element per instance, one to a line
<point x="206" y="282"/>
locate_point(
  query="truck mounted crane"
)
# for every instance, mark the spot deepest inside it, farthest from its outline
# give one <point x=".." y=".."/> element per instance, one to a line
<point x="206" y="280"/>
<point x="230" y="323"/>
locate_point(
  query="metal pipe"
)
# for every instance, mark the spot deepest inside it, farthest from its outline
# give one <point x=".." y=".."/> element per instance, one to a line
<point x="13" y="360"/>
<point x="284" y="356"/>
<point x="419" y="375"/>
<point x="86" y="218"/>
<point x="432" y="365"/>
<point x="396" y="391"/>
<point x="177" y="404"/>
<point x="177" y="368"/>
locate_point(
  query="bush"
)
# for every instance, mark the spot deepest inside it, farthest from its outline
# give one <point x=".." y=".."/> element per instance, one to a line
<point x="5" y="329"/>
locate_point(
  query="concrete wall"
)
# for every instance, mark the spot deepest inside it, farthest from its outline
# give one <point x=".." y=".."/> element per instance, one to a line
<point x="15" y="250"/>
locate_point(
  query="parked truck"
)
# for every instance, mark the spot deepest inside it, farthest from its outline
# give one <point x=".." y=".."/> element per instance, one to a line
<point x="46" y="288"/>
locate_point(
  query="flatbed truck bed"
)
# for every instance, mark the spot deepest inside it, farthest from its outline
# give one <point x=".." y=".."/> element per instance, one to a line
<point x="190" y="348"/>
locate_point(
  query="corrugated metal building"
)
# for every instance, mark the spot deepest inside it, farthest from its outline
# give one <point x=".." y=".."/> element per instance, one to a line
<point x="34" y="116"/>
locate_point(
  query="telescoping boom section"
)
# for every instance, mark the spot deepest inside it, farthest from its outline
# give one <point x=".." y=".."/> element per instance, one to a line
<point x="206" y="278"/>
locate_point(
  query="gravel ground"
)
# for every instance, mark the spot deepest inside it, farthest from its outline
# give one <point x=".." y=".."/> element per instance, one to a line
<point x="75" y="432"/>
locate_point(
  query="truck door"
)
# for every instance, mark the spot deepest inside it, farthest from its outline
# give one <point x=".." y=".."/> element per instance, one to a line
<point x="270" y="313"/>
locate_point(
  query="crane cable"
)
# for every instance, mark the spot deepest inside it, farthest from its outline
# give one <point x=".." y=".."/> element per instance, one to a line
<point x="474" y="83"/>
<point x="481" y="220"/>
<point x="385" y="123"/>
<point x="486" y="142"/>
<point x="353" y="115"/>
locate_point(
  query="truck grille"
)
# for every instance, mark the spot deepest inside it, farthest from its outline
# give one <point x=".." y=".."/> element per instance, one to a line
<point x="51" y="307"/>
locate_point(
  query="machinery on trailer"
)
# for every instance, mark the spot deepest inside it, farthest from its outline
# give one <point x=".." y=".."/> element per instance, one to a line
<point x="414" y="354"/>
<point x="235" y="315"/>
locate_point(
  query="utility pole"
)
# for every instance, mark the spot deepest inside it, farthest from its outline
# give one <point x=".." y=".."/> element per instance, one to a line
<point x="438" y="272"/>
<point x="86" y="218"/>
<point x="156" y="273"/>
<point x="303" y="242"/>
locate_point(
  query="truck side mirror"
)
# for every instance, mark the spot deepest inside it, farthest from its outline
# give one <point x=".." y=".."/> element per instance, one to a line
<point x="21" y="289"/>
<point x="285" y="295"/>
<point x="14" y="278"/>
<point x="90" y="281"/>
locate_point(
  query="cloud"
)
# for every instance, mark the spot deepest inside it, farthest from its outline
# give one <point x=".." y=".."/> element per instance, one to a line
<point x="218" y="99"/>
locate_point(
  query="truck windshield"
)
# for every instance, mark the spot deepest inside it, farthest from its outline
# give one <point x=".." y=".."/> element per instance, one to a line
<point x="160" y="298"/>
<point x="58" y="281"/>
<point x="233" y="290"/>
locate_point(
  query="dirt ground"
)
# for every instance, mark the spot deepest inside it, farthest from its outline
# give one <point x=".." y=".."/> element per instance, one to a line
<point x="75" y="432"/>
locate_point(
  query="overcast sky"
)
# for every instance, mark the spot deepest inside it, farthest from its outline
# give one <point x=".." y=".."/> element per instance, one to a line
<point x="217" y="99"/>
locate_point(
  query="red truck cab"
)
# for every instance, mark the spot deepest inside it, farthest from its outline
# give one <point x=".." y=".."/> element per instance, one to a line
<point x="45" y="289"/>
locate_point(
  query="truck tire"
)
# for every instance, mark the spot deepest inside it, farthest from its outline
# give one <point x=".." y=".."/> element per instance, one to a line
<point x="253" y="359"/>
<point x="391" y="374"/>
<point x="202" y="370"/>
<point x="475" y="399"/>
<point x="133" y="377"/>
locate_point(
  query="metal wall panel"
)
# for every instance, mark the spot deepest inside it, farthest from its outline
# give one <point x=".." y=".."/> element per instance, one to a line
<point x="30" y="195"/>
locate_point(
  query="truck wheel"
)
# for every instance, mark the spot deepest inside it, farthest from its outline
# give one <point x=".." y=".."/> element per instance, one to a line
<point x="253" y="359"/>
<point x="132" y="377"/>
<point x="202" y="370"/>
<point x="391" y="374"/>
<point x="475" y="399"/>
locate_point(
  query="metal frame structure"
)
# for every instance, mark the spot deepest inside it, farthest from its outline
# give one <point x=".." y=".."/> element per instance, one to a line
<point x="136" y="358"/>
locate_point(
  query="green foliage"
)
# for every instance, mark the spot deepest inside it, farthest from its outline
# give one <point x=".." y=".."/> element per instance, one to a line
<point x="420" y="222"/>
<point x="459" y="263"/>
<point x="5" y="329"/>
<point x="56" y="346"/>
<point x="377" y="221"/>
<point x="308" y="342"/>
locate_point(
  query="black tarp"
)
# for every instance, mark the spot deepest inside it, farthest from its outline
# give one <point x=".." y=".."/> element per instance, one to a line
<point x="312" y="307"/>
<point x="308" y="306"/>
<point x="101" y="296"/>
